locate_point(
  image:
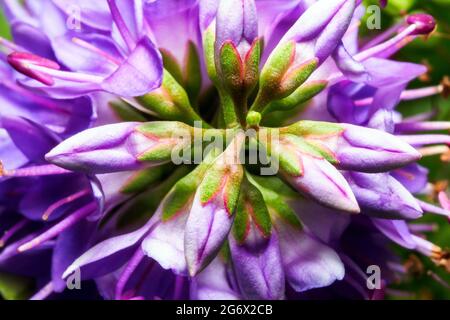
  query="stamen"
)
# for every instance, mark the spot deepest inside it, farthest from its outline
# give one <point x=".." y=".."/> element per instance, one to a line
<point x="63" y="202"/>
<point x="12" y="231"/>
<point x="35" y="171"/>
<point x="444" y="200"/>
<point x="121" y="25"/>
<point x="383" y="36"/>
<point x="408" y="95"/>
<point x="65" y="75"/>
<point x="423" y="227"/>
<point x="427" y="248"/>
<point x="438" y="279"/>
<point x="42" y="294"/>
<point x="59" y="227"/>
<point x="390" y="46"/>
<point x="128" y="271"/>
<point x="426" y="139"/>
<point x="38" y="100"/>
<point x="422" y="126"/>
<point x="445" y="157"/>
<point x="427" y="207"/>
<point x="397" y="267"/>
<point x="96" y="50"/>
<point x="434" y="150"/>
<point x="424" y="116"/>
<point x="419" y="24"/>
<point x="23" y="61"/>
<point x="9" y="47"/>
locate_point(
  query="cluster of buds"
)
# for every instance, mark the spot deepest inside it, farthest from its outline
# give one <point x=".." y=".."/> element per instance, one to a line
<point x="269" y="230"/>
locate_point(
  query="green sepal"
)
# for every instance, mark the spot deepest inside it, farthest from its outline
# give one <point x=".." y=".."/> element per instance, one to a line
<point x="224" y="179"/>
<point x="303" y="94"/>
<point x="314" y="150"/>
<point x="276" y="195"/>
<point x="165" y="129"/>
<point x="160" y="153"/>
<point x="313" y="129"/>
<point x="290" y="162"/>
<point x="140" y="208"/>
<point x="294" y="78"/>
<point x="272" y="75"/>
<point x="143" y="179"/>
<point x="170" y="138"/>
<point x="251" y="208"/>
<point x="231" y="67"/>
<point x="251" y="65"/>
<point x="184" y="190"/>
<point x="126" y="112"/>
<point x="171" y="65"/>
<point x="276" y="66"/>
<point x="170" y="101"/>
<point x="192" y="72"/>
<point x="209" y="39"/>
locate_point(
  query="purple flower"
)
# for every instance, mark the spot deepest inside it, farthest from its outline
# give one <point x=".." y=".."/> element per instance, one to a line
<point x="122" y="161"/>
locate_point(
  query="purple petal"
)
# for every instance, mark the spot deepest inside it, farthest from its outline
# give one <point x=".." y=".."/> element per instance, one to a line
<point x="207" y="228"/>
<point x="165" y="244"/>
<point x="384" y="196"/>
<point x="397" y="231"/>
<point x="308" y="263"/>
<point x="109" y="254"/>
<point x="258" y="269"/>
<point x="323" y="183"/>
<point x="212" y="283"/>
<point x="139" y="74"/>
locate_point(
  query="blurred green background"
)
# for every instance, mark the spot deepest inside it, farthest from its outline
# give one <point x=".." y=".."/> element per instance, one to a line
<point x="434" y="52"/>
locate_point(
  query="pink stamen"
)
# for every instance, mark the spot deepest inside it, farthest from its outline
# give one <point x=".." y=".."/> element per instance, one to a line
<point x="50" y="210"/>
<point x="8" y="46"/>
<point x="408" y="95"/>
<point x="444" y="200"/>
<point x="24" y="61"/>
<point x="427" y="248"/>
<point x="409" y="127"/>
<point x="425" y="139"/>
<point x="65" y="75"/>
<point x="423" y="227"/>
<point x="121" y="25"/>
<point x="43" y="170"/>
<point x="12" y="231"/>
<point x="59" y="227"/>
<point x="44" y="293"/>
<point x="96" y="50"/>
<point x="427" y="207"/>
<point x="396" y="43"/>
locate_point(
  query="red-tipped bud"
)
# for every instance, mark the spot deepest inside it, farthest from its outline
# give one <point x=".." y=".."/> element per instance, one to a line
<point x="22" y="61"/>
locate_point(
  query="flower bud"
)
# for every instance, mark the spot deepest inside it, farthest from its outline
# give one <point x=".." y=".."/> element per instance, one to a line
<point x="356" y="148"/>
<point x="254" y="248"/>
<point x="237" y="48"/>
<point x="212" y="213"/>
<point x="121" y="147"/>
<point x="311" y="174"/>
